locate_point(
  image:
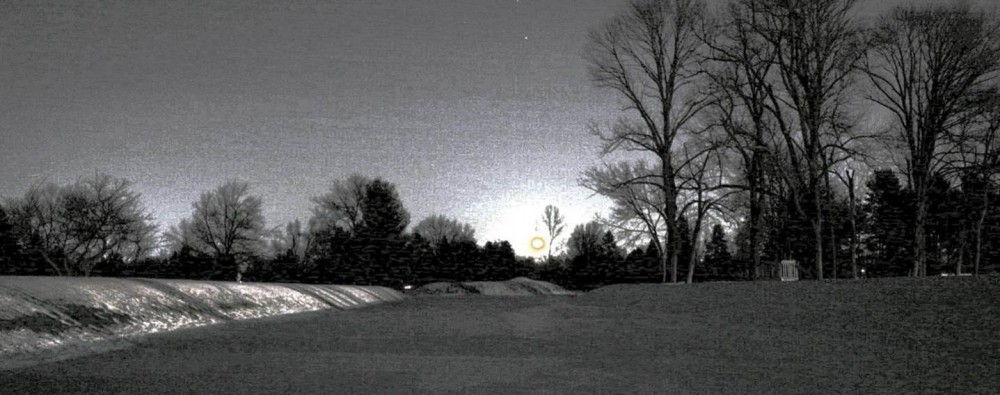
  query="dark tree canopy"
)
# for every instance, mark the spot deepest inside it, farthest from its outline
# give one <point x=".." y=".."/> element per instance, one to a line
<point x="382" y="211"/>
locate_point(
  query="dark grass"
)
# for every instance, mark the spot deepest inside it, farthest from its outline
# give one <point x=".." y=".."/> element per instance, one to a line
<point x="932" y="335"/>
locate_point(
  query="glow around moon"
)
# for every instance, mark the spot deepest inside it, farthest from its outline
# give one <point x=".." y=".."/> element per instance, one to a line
<point x="537" y="244"/>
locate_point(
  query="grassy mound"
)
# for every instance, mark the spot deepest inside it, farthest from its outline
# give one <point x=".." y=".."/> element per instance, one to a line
<point x="519" y="286"/>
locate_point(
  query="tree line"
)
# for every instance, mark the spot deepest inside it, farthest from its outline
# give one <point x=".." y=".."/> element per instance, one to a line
<point x="772" y="117"/>
<point x="98" y="226"/>
<point x="357" y="234"/>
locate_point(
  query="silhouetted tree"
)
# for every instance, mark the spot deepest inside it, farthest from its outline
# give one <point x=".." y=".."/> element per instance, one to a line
<point x="437" y="228"/>
<point x="719" y="264"/>
<point x="554" y="224"/>
<point x="886" y="226"/>
<point x="815" y="48"/>
<point x="227" y="224"/>
<point x="341" y="206"/>
<point x="74" y="228"/>
<point x="649" y="55"/>
<point x="928" y="66"/>
<point x="382" y="213"/>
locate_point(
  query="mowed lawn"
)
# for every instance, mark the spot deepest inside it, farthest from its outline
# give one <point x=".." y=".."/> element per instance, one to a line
<point x="931" y="335"/>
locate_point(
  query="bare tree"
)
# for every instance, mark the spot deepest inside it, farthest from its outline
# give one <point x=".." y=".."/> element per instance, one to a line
<point x="438" y="228"/>
<point x="849" y="178"/>
<point x="703" y="187"/>
<point x="341" y="206"/>
<point x="291" y="239"/>
<point x="554" y="224"/>
<point x="926" y="66"/>
<point x="649" y="55"/>
<point x="637" y="210"/>
<point x="76" y="227"/>
<point x="814" y="48"/>
<point x="977" y="160"/>
<point x="227" y="222"/>
<point x="741" y="86"/>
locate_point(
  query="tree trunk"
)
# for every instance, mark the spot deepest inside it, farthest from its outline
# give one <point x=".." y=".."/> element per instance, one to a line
<point x="45" y="256"/>
<point x="664" y="259"/>
<point x="963" y="242"/>
<point x="979" y="231"/>
<point x="818" y="232"/>
<point x="919" y="235"/>
<point x="670" y="192"/>
<point x="854" y="226"/>
<point x="695" y="232"/>
<point x="833" y="251"/>
<point x="755" y="217"/>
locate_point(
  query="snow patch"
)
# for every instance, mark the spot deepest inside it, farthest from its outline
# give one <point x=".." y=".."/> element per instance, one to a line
<point x="41" y="314"/>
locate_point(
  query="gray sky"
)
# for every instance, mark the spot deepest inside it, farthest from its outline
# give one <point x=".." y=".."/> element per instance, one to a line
<point x="474" y="109"/>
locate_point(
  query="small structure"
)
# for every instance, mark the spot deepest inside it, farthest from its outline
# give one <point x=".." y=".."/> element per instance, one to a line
<point x="789" y="270"/>
<point x="785" y="270"/>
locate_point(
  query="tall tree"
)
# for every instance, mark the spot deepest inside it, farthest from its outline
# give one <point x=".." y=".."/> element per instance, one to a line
<point x="814" y="47"/>
<point x="649" y="55"/>
<point x="718" y="259"/>
<point x="886" y="225"/>
<point x="978" y="161"/>
<point x="927" y="67"/>
<point x="227" y="224"/>
<point x="341" y="206"/>
<point x="848" y="177"/>
<point x="78" y="226"/>
<point x="741" y="84"/>
<point x="382" y="213"/>
<point x="554" y="224"/>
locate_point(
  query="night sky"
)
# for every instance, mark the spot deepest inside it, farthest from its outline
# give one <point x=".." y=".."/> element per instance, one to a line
<point x="474" y="109"/>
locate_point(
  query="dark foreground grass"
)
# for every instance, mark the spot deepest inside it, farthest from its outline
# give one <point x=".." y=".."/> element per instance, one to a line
<point x="934" y="335"/>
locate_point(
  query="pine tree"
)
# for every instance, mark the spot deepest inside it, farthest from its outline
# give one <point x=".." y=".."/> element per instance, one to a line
<point x="382" y="213"/>
<point x="609" y="265"/>
<point x="888" y="241"/>
<point x="719" y="264"/>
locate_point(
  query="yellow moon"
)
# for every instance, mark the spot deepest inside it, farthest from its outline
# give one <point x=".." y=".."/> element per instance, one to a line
<point x="537" y="244"/>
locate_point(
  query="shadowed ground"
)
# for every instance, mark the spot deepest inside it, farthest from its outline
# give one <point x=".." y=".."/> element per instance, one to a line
<point x="874" y="336"/>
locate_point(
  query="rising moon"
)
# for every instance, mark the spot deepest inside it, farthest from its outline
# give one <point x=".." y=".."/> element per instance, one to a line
<point x="537" y="244"/>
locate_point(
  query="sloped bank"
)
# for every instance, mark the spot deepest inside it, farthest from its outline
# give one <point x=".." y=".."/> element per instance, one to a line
<point x="39" y="314"/>
<point x="520" y="286"/>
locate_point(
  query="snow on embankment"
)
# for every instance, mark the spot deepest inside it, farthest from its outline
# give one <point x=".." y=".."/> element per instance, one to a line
<point x="40" y="313"/>
<point x="519" y="286"/>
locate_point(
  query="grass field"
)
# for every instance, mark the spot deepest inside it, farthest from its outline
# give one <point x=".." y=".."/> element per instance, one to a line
<point x="931" y="335"/>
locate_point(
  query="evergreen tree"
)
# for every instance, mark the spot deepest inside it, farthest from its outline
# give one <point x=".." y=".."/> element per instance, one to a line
<point x="609" y="263"/>
<point x="887" y="241"/>
<point x="586" y="253"/>
<point x="946" y="222"/>
<point x="719" y="263"/>
<point x="650" y="270"/>
<point x="382" y="213"/>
